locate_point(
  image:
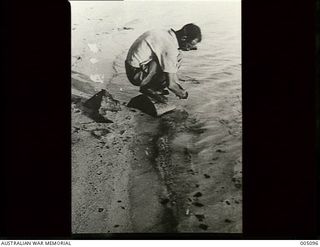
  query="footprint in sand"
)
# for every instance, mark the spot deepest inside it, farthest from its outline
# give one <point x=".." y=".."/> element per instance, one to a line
<point x="203" y="226"/>
<point x="198" y="194"/>
<point x="200" y="217"/>
<point x="227" y="202"/>
<point x="198" y="204"/>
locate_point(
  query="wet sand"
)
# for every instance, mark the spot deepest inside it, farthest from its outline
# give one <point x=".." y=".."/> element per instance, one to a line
<point x="128" y="178"/>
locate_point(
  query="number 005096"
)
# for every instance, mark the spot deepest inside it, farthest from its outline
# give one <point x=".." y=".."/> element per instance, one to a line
<point x="308" y="242"/>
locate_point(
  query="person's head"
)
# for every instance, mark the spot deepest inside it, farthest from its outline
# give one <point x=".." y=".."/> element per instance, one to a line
<point x="188" y="37"/>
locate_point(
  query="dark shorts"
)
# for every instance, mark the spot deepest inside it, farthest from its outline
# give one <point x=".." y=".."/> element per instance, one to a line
<point x="136" y="75"/>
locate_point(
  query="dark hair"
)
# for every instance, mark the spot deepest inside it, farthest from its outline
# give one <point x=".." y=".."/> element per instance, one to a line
<point x="192" y="32"/>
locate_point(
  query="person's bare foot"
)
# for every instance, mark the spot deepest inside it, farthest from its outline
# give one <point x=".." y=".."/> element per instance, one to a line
<point x="163" y="92"/>
<point x="154" y="94"/>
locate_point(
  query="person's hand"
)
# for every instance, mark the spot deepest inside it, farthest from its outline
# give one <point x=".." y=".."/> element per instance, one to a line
<point x="184" y="95"/>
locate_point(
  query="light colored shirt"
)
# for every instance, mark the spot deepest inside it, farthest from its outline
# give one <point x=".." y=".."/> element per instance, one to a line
<point x="159" y="45"/>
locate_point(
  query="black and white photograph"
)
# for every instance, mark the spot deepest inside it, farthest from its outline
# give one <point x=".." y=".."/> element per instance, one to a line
<point x="156" y="117"/>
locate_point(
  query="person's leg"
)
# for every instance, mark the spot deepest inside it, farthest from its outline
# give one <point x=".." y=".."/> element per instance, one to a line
<point x="159" y="81"/>
<point x="155" y="79"/>
<point x="154" y="82"/>
<point x="152" y="74"/>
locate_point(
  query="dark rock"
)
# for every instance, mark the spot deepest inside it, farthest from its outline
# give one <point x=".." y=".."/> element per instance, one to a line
<point x="198" y="204"/>
<point x="200" y="217"/>
<point x="119" y="201"/>
<point x="99" y="103"/>
<point x="206" y="175"/>
<point x="149" y="106"/>
<point x="220" y="151"/>
<point x="203" y="226"/>
<point x="100" y="210"/>
<point x="198" y="194"/>
<point x="116" y="226"/>
<point x="227" y="202"/>
<point x="123" y="207"/>
<point x="227" y="221"/>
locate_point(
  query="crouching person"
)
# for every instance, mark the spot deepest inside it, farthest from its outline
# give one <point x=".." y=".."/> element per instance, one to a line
<point x="155" y="57"/>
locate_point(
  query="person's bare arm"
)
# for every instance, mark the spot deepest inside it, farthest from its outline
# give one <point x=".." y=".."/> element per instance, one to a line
<point x="173" y="86"/>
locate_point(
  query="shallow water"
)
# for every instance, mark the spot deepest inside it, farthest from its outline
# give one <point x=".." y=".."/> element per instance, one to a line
<point x="207" y="139"/>
<point x="212" y="74"/>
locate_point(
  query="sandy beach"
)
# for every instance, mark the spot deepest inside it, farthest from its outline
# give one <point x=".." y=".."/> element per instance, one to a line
<point x="133" y="173"/>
